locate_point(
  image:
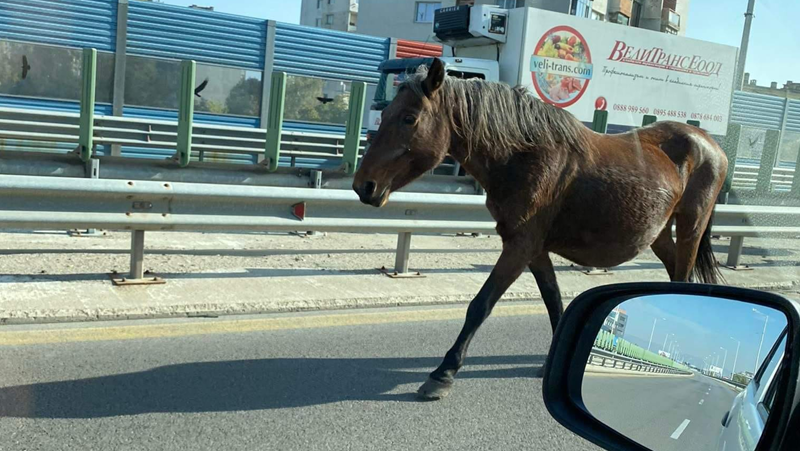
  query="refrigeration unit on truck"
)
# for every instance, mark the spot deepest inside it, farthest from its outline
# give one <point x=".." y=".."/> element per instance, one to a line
<point x="580" y="65"/>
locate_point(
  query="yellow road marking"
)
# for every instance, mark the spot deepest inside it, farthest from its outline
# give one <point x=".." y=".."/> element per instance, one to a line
<point x="72" y="335"/>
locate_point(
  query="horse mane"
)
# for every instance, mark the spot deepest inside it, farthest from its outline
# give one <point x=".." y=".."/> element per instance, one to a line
<point x="501" y="119"/>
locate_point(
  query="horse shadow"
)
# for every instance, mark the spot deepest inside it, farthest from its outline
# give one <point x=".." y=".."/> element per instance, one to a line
<point x="244" y="385"/>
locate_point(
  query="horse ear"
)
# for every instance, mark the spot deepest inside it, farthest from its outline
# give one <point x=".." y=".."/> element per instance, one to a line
<point x="435" y="78"/>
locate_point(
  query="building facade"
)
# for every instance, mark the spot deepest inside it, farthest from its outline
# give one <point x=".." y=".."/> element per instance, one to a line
<point x="341" y="15"/>
<point x="413" y="19"/>
<point x="402" y="19"/>
<point x="666" y="16"/>
<point x="790" y="89"/>
<point x="615" y="322"/>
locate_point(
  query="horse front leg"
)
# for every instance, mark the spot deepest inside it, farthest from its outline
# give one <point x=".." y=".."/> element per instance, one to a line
<point x="542" y="269"/>
<point x="510" y="265"/>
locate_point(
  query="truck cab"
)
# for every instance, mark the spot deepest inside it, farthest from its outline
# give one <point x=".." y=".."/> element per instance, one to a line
<point x="394" y="72"/>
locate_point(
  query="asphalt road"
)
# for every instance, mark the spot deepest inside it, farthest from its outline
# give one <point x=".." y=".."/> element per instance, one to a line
<point x="663" y="413"/>
<point x="339" y="381"/>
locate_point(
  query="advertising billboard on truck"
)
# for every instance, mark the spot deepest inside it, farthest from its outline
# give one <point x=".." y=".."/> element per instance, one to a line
<point x="583" y="65"/>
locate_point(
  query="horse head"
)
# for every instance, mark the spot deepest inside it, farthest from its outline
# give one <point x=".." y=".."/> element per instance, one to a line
<point x="411" y="140"/>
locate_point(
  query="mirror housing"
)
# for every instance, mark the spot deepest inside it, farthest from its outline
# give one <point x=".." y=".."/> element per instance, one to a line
<point x="578" y="328"/>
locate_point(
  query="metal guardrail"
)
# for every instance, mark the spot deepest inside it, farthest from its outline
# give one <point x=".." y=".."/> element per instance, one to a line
<point x="47" y="202"/>
<point x="745" y="177"/>
<point x="62" y="203"/>
<point x="727" y="381"/>
<point x="740" y="221"/>
<point x="605" y="359"/>
<point x="218" y="143"/>
<point x="213" y="143"/>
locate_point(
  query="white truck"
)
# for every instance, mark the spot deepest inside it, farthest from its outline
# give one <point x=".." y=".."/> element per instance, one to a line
<point x="579" y="64"/>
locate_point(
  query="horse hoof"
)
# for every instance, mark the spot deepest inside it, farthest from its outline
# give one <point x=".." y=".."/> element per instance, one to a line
<point x="433" y="390"/>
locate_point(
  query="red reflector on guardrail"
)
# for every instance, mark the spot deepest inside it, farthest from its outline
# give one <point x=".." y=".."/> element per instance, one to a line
<point x="299" y="210"/>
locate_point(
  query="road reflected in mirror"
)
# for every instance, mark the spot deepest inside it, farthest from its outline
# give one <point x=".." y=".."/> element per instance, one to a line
<point x="681" y="372"/>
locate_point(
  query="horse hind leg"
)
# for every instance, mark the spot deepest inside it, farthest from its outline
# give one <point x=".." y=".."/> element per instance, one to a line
<point x="664" y="248"/>
<point x="694" y="253"/>
<point x="545" y="275"/>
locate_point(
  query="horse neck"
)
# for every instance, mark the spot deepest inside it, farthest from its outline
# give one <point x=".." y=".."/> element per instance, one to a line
<point x="477" y="162"/>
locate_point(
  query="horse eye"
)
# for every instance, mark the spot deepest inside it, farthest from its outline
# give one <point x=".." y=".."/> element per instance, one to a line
<point x="410" y="120"/>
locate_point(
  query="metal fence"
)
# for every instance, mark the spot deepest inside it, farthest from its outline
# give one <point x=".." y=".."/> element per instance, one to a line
<point x="614" y="361"/>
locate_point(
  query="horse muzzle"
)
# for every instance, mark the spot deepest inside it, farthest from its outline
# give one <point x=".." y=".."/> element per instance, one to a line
<point x="368" y="194"/>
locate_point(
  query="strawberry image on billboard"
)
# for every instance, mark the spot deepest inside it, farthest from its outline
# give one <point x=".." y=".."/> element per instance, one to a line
<point x="561" y="66"/>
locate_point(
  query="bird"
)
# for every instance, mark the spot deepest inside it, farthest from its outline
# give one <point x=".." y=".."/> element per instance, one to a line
<point x="25" y="67"/>
<point x="325" y="99"/>
<point x="200" y="88"/>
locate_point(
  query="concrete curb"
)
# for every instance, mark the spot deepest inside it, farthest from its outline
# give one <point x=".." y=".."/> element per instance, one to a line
<point x="230" y="309"/>
<point x="216" y="309"/>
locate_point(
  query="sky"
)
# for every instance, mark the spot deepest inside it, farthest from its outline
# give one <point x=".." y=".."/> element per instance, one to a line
<point x="773" y="52"/>
<point x="700" y="326"/>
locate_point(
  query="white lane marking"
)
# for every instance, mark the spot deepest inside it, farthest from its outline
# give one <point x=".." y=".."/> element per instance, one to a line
<point x="677" y="434"/>
<point x="701" y="402"/>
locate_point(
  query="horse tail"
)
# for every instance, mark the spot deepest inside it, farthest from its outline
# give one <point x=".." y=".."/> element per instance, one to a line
<point x="706" y="268"/>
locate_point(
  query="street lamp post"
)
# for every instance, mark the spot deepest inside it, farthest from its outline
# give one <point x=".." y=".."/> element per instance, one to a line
<point x="736" y="358"/>
<point x="664" y="346"/>
<point x="748" y="20"/>
<point x="723" y="361"/>
<point x="652" y="331"/>
<point x="763" y="332"/>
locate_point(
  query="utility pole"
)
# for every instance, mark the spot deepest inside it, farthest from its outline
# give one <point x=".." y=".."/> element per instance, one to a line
<point x="748" y="21"/>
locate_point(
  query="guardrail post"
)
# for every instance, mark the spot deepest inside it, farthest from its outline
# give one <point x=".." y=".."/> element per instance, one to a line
<point x="401" y="257"/>
<point x="92" y="171"/>
<point x="735" y="252"/>
<point x="648" y="119"/>
<point x="403" y="252"/>
<point x="772" y="141"/>
<point x="136" y="275"/>
<point x="731" y="147"/>
<point x="796" y="176"/>
<point x="316" y="183"/>
<point x="355" y="116"/>
<point x="137" y="254"/>
<point x="186" y="112"/>
<point x="600" y="121"/>
<point x="693" y="122"/>
<point x="88" y="85"/>
<point x="277" y="98"/>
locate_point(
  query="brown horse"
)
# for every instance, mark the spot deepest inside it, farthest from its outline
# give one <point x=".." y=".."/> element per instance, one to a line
<point x="552" y="185"/>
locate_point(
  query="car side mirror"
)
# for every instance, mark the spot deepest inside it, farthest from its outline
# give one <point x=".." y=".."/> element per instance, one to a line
<point x="663" y="366"/>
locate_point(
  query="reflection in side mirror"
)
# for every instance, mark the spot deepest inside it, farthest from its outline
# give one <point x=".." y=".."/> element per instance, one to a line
<point x="667" y="370"/>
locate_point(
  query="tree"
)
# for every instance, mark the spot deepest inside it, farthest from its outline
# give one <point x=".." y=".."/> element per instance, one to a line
<point x="152" y="83"/>
<point x="302" y="105"/>
<point x="244" y="98"/>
